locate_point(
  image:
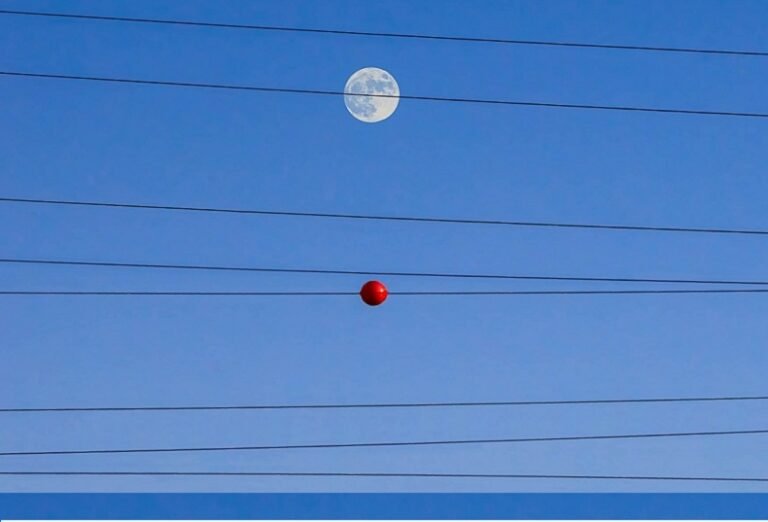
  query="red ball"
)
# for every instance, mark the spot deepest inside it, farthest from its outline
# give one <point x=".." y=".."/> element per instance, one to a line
<point x="373" y="293"/>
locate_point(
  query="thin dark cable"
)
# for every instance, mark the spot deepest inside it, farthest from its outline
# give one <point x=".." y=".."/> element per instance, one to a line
<point x="391" y="405"/>
<point x="388" y="218"/>
<point x="374" y="273"/>
<point x="373" y="475"/>
<point x="387" y="444"/>
<point x="172" y="294"/>
<point x="87" y="293"/>
<point x="388" y="35"/>
<point x="285" y="90"/>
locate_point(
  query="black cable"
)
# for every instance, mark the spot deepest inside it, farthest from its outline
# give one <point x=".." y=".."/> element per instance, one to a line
<point x="387" y="35"/>
<point x="386" y="444"/>
<point x="374" y="273"/>
<point x="388" y="218"/>
<point x="87" y="293"/>
<point x="173" y="294"/>
<point x="285" y="90"/>
<point x="373" y="475"/>
<point x="392" y="405"/>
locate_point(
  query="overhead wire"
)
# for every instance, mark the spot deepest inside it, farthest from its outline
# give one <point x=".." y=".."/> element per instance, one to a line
<point x="569" y="438"/>
<point x="371" y="217"/>
<point x="134" y="293"/>
<point x="408" y="36"/>
<point x="318" y="271"/>
<point x="354" y="474"/>
<point x="321" y="92"/>
<point x="472" y="404"/>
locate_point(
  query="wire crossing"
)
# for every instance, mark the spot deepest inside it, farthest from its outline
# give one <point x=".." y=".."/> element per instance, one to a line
<point x="320" y="92"/>
<point x="409" y="36"/>
<point x="111" y="293"/>
<point x="372" y="475"/>
<point x="318" y="271"/>
<point x="369" y="217"/>
<point x="391" y="405"/>
<point x="388" y="443"/>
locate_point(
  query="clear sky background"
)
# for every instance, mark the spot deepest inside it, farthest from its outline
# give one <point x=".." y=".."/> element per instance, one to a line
<point x="156" y="145"/>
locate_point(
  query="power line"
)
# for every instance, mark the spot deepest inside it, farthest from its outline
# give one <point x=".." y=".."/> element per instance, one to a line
<point x="390" y="405"/>
<point x="88" y="293"/>
<point x="318" y="271"/>
<point x="285" y="90"/>
<point x="374" y="475"/>
<point x="411" y="36"/>
<point x="387" y="444"/>
<point x="418" y="219"/>
<point x="174" y="294"/>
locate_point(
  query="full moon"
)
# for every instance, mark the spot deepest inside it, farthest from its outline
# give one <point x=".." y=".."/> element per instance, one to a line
<point x="371" y="109"/>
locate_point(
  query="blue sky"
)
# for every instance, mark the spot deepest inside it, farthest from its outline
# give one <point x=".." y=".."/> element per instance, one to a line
<point x="72" y="140"/>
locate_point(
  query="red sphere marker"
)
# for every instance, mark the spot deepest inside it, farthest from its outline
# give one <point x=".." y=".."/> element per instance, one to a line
<point x="373" y="293"/>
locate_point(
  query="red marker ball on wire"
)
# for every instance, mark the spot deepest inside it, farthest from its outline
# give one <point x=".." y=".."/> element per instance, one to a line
<point x="373" y="293"/>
